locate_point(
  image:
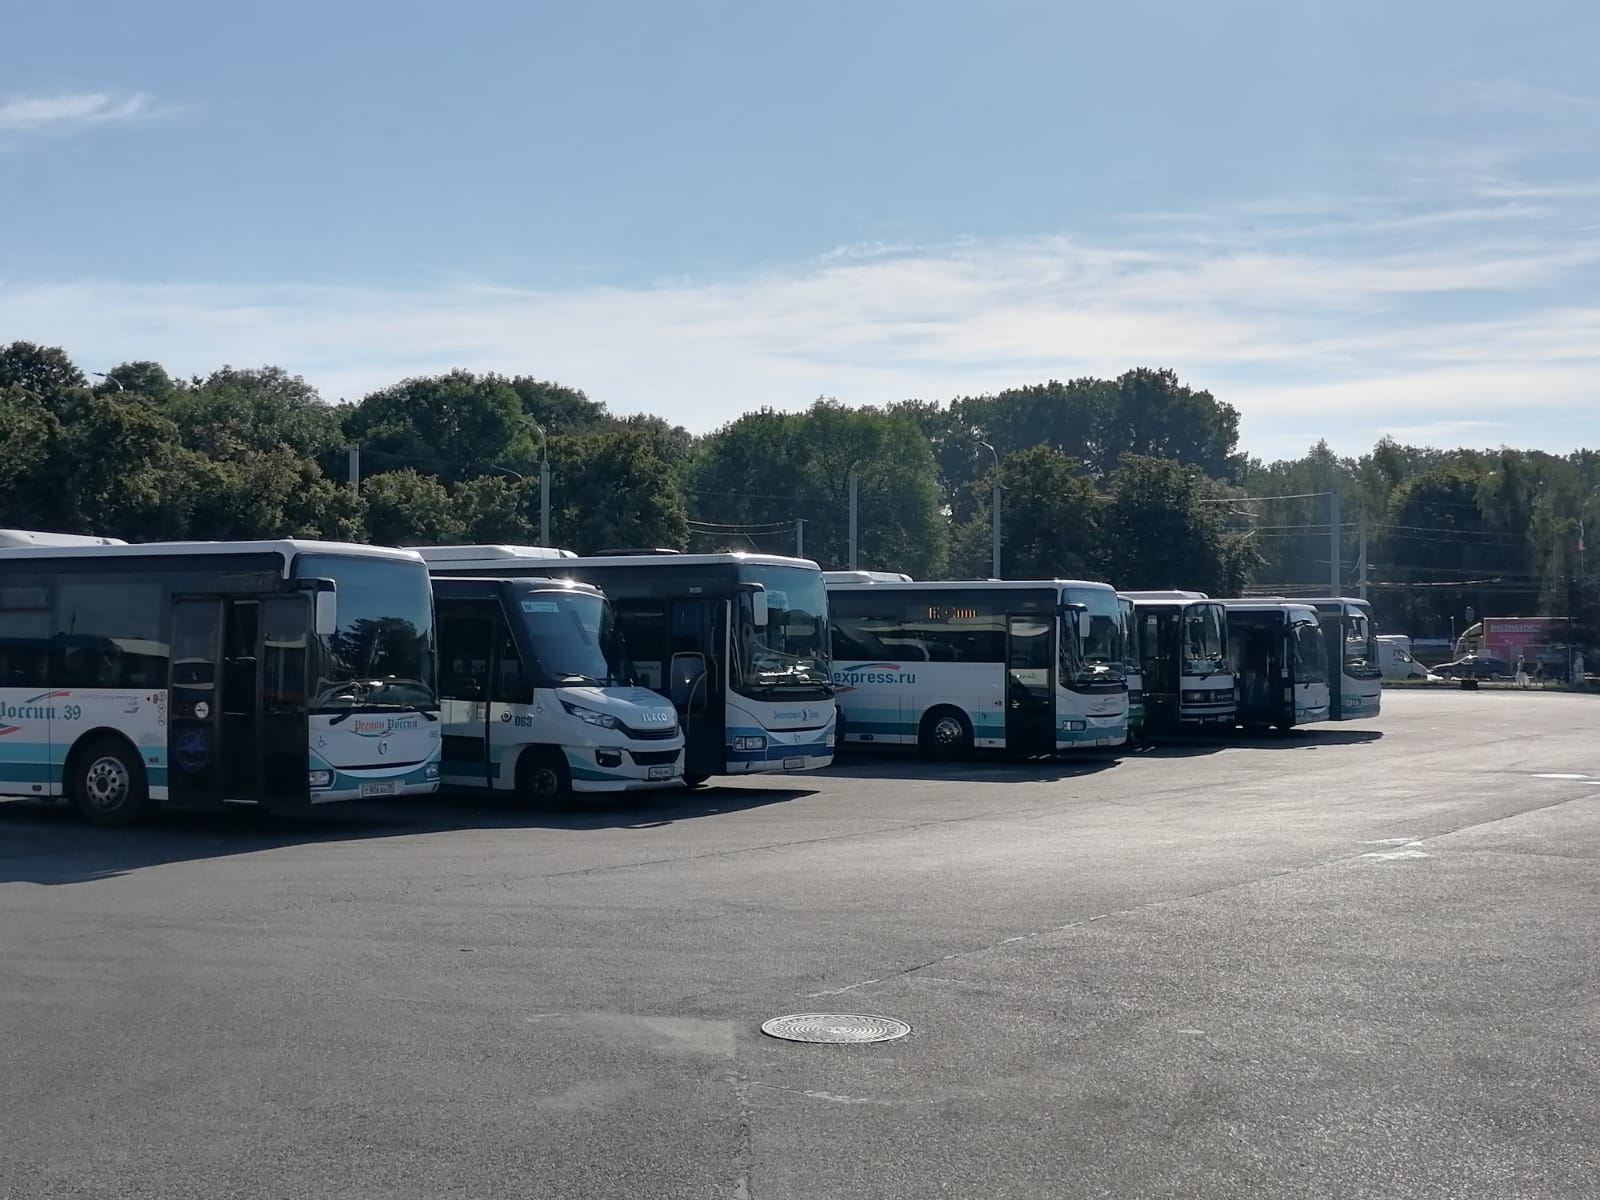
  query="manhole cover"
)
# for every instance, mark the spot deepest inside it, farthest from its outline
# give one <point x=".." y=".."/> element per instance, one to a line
<point x="835" y="1028"/>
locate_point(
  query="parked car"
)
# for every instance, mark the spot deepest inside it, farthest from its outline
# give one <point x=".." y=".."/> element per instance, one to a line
<point x="1474" y="666"/>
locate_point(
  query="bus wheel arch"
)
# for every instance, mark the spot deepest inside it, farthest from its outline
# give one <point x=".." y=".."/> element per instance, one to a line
<point x="542" y="775"/>
<point x="104" y="779"/>
<point x="945" y="732"/>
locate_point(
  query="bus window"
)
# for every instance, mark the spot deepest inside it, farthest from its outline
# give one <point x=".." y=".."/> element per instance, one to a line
<point x="24" y="636"/>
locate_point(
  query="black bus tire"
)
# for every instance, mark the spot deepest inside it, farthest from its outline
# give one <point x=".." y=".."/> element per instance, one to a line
<point x="945" y="734"/>
<point x="106" y="782"/>
<point x="543" y="778"/>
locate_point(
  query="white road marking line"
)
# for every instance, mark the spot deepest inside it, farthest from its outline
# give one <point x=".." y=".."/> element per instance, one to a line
<point x="1562" y="775"/>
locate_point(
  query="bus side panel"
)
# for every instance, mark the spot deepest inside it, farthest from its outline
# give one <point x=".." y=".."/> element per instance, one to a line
<point x="28" y="763"/>
<point x="887" y="700"/>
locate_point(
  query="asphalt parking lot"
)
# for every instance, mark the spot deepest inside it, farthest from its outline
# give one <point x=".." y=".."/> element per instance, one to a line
<point x="1359" y="961"/>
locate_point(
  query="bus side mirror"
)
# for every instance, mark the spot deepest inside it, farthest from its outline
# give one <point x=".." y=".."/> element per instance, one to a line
<point x="688" y="673"/>
<point x="325" y="614"/>
<point x="760" y="607"/>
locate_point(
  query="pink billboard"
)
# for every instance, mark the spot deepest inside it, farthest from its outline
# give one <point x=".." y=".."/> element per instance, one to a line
<point x="1532" y="637"/>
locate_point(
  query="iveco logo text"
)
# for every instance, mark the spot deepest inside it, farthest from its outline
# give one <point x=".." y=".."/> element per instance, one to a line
<point x="659" y="716"/>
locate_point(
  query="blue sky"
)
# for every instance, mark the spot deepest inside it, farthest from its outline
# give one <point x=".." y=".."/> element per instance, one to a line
<point x="1347" y="219"/>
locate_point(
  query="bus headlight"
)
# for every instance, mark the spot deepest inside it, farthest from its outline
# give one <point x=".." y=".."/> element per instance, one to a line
<point x="1074" y="726"/>
<point x="758" y="742"/>
<point x="431" y="773"/>
<point x="321" y="779"/>
<point x="1195" y="697"/>
<point x="590" y="717"/>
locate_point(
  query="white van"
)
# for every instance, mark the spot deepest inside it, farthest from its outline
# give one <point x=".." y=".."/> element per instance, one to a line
<point x="1394" y="657"/>
<point x="535" y="695"/>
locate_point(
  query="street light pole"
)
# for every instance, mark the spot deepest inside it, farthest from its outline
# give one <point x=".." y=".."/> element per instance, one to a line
<point x="994" y="508"/>
<point x="544" y="482"/>
<point x="109" y="379"/>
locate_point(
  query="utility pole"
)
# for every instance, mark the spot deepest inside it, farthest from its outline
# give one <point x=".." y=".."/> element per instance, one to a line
<point x="355" y="467"/>
<point x="1363" y="576"/>
<point x="855" y="488"/>
<point x="994" y="552"/>
<point x="994" y="510"/>
<point x="800" y="537"/>
<point x="1335" y="573"/>
<point x="544" y="502"/>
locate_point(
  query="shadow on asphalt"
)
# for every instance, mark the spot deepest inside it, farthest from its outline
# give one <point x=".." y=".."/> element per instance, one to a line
<point x="1294" y="739"/>
<point x="50" y="844"/>
<point x="889" y="762"/>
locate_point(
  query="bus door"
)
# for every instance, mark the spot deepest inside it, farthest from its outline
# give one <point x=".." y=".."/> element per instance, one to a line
<point x="1333" y="638"/>
<point x="240" y="764"/>
<point x="194" y="718"/>
<point x="700" y="626"/>
<point x="657" y="632"/>
<point x="1030" y="690"/>
<point x="469" y="631"/>
<point x="214" y="736"/>
<point x="285" y="732"/>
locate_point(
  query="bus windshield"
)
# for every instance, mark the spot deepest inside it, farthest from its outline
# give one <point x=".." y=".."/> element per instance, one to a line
<point x="573" y="637"/>
<point x="381" y="655"/>
<point x="1310" y="656"/>
<point x="789" y="656"/>
<point x="1097" y="660"/>
<point x="1205" y="640"/>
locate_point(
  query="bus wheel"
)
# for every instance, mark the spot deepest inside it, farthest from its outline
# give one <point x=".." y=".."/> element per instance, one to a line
<point x="694" y="781"/>
<point x="945" y="734"/>
<point x="106" y="782"/>
<point x="543" y="778"/>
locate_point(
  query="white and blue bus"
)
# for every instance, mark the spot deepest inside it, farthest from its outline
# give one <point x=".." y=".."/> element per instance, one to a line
<point x="1033" y="667"/>
<point x="739" y="642"/>
<point x="1186" y="674"/>
<point x="269" y="674"/>
<point x="1356" y="683"/>
<point x="1280" y="663"/>
<point x="535" y="694"/>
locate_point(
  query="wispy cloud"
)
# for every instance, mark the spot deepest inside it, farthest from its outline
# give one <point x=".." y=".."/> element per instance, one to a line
<point x="71" y="111"/>
<point x="1441" y="322"/>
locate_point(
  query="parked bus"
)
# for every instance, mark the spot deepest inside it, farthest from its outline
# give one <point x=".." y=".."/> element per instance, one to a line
<point x="1132" y="665"/>
<point x="209" y="674"/>
<point x="1356" y="686"/>
<point x="1030" y="667"/>
<point x="739" y="642"/>
<point x="535" y="697"/>
<point x="1280" y="661"/>
<point x="1188" y="679"/>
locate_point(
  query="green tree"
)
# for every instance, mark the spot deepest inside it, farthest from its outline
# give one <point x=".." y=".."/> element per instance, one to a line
<point x="233" y="413"/>
<point x="609" y="490"/>
<point x="1049" y="520"/>
<point x="770" y="469"/>
<point x="1159" y="532"/>
<point x="494" y="509"/>
<point x="455" y="426"/>
<point x="46" y="371"/>
<point x="406" y="508"/>
<point x="560" y="410"/>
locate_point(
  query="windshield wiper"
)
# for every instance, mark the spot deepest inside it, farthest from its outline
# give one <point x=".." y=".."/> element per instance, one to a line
<point x="580" y="677"/>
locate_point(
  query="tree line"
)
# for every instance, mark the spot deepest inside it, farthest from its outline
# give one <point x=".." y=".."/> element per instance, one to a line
<point x="1138" y="480"/>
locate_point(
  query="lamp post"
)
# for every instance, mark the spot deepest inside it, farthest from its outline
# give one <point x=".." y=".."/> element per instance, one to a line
<point x="109" y="379"/>
<point x="544" y="482"/>
<point x="994" y="508"/>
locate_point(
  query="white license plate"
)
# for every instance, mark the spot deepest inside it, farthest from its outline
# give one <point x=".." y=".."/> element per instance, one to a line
<point x="377" y="789"/>
<point x="794" y="764"/>
<point x="660" y="772"/>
